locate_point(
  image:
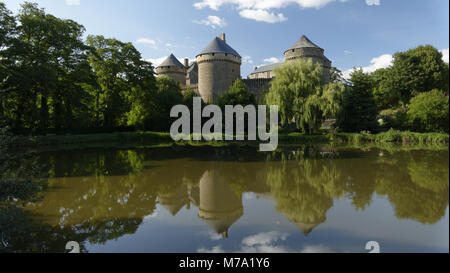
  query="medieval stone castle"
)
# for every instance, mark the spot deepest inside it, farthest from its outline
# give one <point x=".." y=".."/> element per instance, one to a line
<point x="218" y="66"/>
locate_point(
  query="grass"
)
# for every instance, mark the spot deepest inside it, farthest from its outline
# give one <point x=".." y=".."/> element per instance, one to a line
<point x="152" y="139"/>
<point x="395" y="137"/>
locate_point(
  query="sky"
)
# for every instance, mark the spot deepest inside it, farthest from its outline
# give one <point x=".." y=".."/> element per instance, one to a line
<point x="354" y="33"/>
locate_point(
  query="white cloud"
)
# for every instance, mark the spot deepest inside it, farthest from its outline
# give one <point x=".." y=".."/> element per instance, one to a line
<point x="385" y="61"/>
<point x="382" y="61"/>
<point x="262" y="4"/>
<point x="373" y="2"/>
<point x="262" y="10"/>
<point x="347" y="52"/>
<point x="212" y="21"/>
<point x="272" y="60"/>
<point x="265" y="238"/>
<point x="146" y="41"/>
<point x="266" y="242"/>
<point x="316" y="249"/>
<point x="262" y="15"/>
<point x="247" y="59"/>
<point x="73" y="2"/>
<point x="445" y="55"/>
<point x="157" y="61"/>
<point x="216" y="249"/>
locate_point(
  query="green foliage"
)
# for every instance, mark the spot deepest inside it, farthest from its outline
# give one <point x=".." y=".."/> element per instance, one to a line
<point x="168" y="94"/>
<point x="18" y="170"/>
<point x="359" y="111"/>
<point x="428" y="112"/>
<point x="413" y="72"/>
<point x="238" y="94"/>
<point x="119" y="68"/>
<point x="393" y="118"/>
<point x="301" y="94"/>
<point x="188" y="98"/>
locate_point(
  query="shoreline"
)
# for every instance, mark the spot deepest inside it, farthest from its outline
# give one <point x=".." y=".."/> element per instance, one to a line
<point x="154" y="139"/>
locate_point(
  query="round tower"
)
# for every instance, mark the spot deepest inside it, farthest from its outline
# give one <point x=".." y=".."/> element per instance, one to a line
<point x="220" y="207"/>
<point x="305" y="49"/>
<point x="173" y="69"/>
<point x="219" y="66"/>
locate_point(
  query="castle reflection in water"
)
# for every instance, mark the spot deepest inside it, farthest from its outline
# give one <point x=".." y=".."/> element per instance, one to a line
<point x="101" y="196"/>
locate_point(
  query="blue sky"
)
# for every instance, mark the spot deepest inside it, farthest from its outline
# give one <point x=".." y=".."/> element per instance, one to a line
<point x="354" y="33"/>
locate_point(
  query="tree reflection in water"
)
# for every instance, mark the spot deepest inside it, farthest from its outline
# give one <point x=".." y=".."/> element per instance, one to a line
<point x="99" y="196"/>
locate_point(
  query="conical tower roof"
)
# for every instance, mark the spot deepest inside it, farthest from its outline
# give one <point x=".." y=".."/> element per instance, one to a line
<point x="218" y="46"/>
<point x="304" y="42"/>
<point x="307" y="228"/>
<point x="222" y="225"/>
<point x="171" y="61"/>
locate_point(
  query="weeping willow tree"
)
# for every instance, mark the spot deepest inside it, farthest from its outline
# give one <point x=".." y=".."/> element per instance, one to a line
<point x="303" y="96"/>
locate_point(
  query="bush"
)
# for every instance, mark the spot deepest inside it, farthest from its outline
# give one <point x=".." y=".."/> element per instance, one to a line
<point x="428" y="112"/>
<point x="393" y="118"/>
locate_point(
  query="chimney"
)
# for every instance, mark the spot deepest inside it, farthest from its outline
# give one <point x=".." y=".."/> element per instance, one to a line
<point x="186" y="62"/>
<point x="223" y="37"/>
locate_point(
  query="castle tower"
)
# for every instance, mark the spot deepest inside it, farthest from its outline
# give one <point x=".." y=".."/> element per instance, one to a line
<point x="175" y="200"/>
<point x="219" y="66"/>
<point x="220" y="207"/>
<point x="305" y="49"/>
<point x="173" y="69"/>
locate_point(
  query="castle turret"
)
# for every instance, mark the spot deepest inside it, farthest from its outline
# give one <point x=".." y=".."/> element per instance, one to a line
<point x="219" y="66"/>
<point x="173" y="69"/>
<point x="305" y="49"/>
<point x="220" y="207"/>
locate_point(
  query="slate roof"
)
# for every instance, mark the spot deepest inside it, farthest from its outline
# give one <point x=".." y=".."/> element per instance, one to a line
<point x="266" y="68"/>
<point x="304" y="42"/>
<point x="194" y="67"/>
<point x="171" y="61"/>
<point x="219" y="46"/>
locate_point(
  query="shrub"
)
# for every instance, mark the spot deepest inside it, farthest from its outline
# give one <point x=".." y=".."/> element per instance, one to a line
<point x="428" y="112"/>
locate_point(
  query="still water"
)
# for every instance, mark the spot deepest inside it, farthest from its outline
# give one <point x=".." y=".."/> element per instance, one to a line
<point x="234" y="199"/>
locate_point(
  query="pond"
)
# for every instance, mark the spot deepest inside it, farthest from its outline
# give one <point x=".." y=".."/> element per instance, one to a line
<point x="236" y="199"/>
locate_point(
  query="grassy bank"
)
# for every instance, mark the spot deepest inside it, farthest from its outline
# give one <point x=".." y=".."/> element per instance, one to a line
<point x="139" y="139"/>
<point x="394" y="137"/>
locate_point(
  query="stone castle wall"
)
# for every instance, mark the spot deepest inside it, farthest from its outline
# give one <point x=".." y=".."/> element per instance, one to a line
<point x="216" y="73"/>
<point x="258" y="86"/>
<point x="176" y="73"/>
<point x="315" y="54"/>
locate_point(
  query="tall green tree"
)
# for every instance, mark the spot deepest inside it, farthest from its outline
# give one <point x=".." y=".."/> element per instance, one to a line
<point x="359" y="111"/>
<point x="413" y="72"/>
<point x="46" y="63"/>
<point x="168" y="94"/>
<point x="119" y="68"/>
<point x="302" y="95"/>
<point x="8" y="32"/>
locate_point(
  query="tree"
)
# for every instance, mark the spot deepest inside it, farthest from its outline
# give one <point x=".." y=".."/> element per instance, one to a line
<point x="168" y="94"/>
<point x="302" y="95"/>
<point x="428" y="112"/>
<point x="413" y="72"/>
<point x="46" y="64"/>
<point x="359" y="109"/>
<point x="8" y="31"/>
<point x="118" y="67"/>
<point x="238" y="94"/>
<point x="337" y="76"/>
